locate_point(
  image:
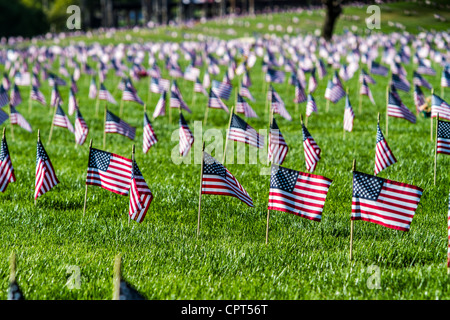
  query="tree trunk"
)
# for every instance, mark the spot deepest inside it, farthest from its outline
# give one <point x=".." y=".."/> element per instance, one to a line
<point x="334" y="9"/>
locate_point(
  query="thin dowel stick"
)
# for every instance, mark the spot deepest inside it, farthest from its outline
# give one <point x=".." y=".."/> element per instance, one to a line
<point x="11" y="125"/>
<point x="435" y="148"/>
<point x="121" y="107"/>
<point x="206" y="115"/>
<point x="104" y="128"/>
<point x="200" y="192"/>
<point x="12" y="267"/>
<point x="97" y="104"/>
<point x="351" y="221"/>
<point x="51" y="128"/>
<point x="85" y="193"/>
<point x="431" y="118"/>
<point x="328" y="105"/>
<point x="116" y="279"/>
<point x="228" y="132"/>
<point x="267" y="226"/>
<point x="268" y="145"/>
<point x="387" y="110"/>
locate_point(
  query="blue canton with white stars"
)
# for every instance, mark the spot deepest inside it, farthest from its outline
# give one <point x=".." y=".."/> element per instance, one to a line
<point x="99" y="159"/>
<point x="306" y="133"/>
<point x="211" y="166"/>
<point x="112" y="117"/>
<point x="41" y="154"/>
<point x="237" y="122"/>
<point x="283" y="178"/>
<point x="443" y="129"/>
<point x="380" y="136"/>
<point x="366" y="186"/>
<point x="3" y="150"/>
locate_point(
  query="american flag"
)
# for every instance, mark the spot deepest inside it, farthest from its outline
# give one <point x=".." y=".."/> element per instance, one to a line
<point x="5" y="82"/>
<point x="37" y="95"/>
<point x="45" y="174"/>
<point x="276" y="76"/>
<point x="310" y="105"/>
<point x="222" y="89"/>
<point x="299" y="193"/>
<point x="54" y="79"/>
<point x="322" y="71"/>
<point x="278" y="147"/>
<point x="246" y="80"/>
<point x="419" y="98"/>
<point x="216" y="179"/>
<point x="397" y="109"/>
<point x="277" y="105"/>
<point x="93" y="89"/>
<point x="175" y="71"/>
<point x="365" y="91"/>
<point x="445" y="78"/>
<point x="129" y="94"/>
<point x="154" y="71"/>
<point x="312" y="150"/>
<point x="6" y="167"/>
<point x="149" y="137"/>
<point x="376" y="68"/>
<point x="109" y="171"/>
<point x="35" y="80"/>
<point x="55" y="96"/>
<point x="61" y="119"/>
<point x="16" y="118"/>
<point x="186" y="137"/>
<point x="16" y="98"/>
<point x="140" y="195"/>
<point x="312" y="83"/>
<point x="3" y="116"/>
<point x="334" y="92"/>
<point x="245" y="92"/>
<point x="400" y="83"/>
<point x="243" y="132"/>
<point x="424" y="69"/>
<point x="104" y="94"/>
<point x="383" y="154"/>
<point x="81" y="128"/>
<point x="198" y="87"/>
<point x="443" y="137"/>
<point x="420" y="81"/>
<point x="176" y="99"/>
<point x="160" y="109"/>
<point x="243" y="107"/>
<point x="4" y="99"/>
<point x="365" y="76"/>
<point x="73" y="105"/>
<point x="300" y="95"/>
<point x="206" y="80"/>
<point x="215" y="102"/>
<point x="438" y="105"/>
<point x="116" y="125"/>
<point x="348" y="115"/>
<point x="154" y="86"/>
<point x="73" y="85"/>
<point x="191" y="73"/>
<point x="385" y="202"/>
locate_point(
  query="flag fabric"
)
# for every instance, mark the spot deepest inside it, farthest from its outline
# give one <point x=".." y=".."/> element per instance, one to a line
<point x="385" y="202"/>
<point x="277" y="105"/>
<point x="438" y="105"/>
<point x="310" y="105"/>
<point x="129" y="94"/>
<point x="243" y="132"/>
<point x="397" y="109"/>
<point x="245" y="92"/>
<point x="300" y="95"/>
<point x="149" y="138"/>
<point x="73" y="105"/>
<point x="400" y="83"/>
<point x="365" y="76"/>
<point x="365" y="91"/>
<point x="198" y="87"/>
<point x="419" y="98"/>
<point x="45" y="174"/>
<point x="445" y="78"/>
<point x="311" y="149"/>
<point x="424" y="69"/>
<point x="299" y="193"/>
<point x="4" y="99"/>
<point x="216" y="179"/>
<point x="140" y="195"/>
<point x="160" y="109"/>
<point x="154" y="86"/>
<point x="61" y="119"/>
<point x="81" y="128"/>
<point x="6" y="168"/>
<point x="420" y="81"/>
<point x="215" y="102"/>
<point x="16" y="98"/>
<point x="278" y="147"/>
<point x="3" y="116"/>
<point x="243" y="107"/>
<point x="109" y="171"/>
<point x="186" y="137"/>
<point x="376" y="68"/>
<point x="312" y="83"/>
<point x="443" y="137"/>
<point x="16" y="118"/>
<point x="321" y="70"/>
<point x="116" y="125"/>
<point x="383" y="154"/>
<point x="37" y="95"/>
<point x="55" y="96"/>
<point x="349" y="115"/>
<point x="222" y="89"/>
<point x="104" y="94"/>
<point x="276" y="76"/>
<point x="176" y="99"/>
<point x="334" y="92"/>
<point x="92" y="89"/>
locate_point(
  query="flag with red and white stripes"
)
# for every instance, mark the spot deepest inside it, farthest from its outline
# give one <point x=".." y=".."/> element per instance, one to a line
<point x="243" y="132"/>
<point x="129" y="94"/>
<point x="149" y="138"/>
<point x="215" y="102"/>
<point x="4" y="99"/>
<point x="397" y="109"/>
<point x="349" y="115"/>
<point x="109" y="171"/>
<point x="15" y="98"/>
<point x="104" y="94"/>
<point x="299" y="193"/>
<point x="114" y="124"/>
<point x="216" y="179"/>
<point x="310" y="105"/>
<point x="243" y="107"/>
<point x="37" y="95"/>
<point x="93" y="89"/>
<point x="45" y="174"/>
<point x="222" y="89"/>
<point x="81" y="128"/>
<point x="385" y="202"/>
<point x="312" y="150"/>
<point x="186" y="137"/>
<point x="61" y="120"/>
<point x="438" y="105"/>
<point x="278" y="147"/>
<point x="312" y="82"/>
<point x="245" y="92"/>
<point x="160" y="109"/>
<point x="16" y="118"/>
<point x="55" y="97"/>
<point x="334" y="92"/>
<point x="140" y="195"/>
<point x="420" y="81"/>
<point x="73" y="105"/>
<point x="6" y="168"/>
<point x="300" y="95"/>
<point x="419" y="98"/>
<point x="365" y="91"/>
<point x="383" y="154"/>
<point x="443" y="137"/>
<point x="445" y="78"/>
<point x="277" y="105"/>
<point x="198" y="87"/>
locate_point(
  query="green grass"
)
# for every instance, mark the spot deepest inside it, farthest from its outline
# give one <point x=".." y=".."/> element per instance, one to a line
<point x="163" y="258"/>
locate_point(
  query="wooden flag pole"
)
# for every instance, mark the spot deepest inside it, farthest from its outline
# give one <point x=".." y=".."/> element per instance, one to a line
<point x="328" y="105"/>
<point x="351" y="221"/>
<point x="29" y="100"/>
<point x="360" y="99"/>
<point x="12" y="267"/>
<point x="11" y="125"/>
<point x="387" y="110"/>
<point x="200" y="192"/>
<point x="51" y="128"/>
<point x="85" y="192"/>
<point x="228" y="132"/>
<point x="97" y="104"/>
<point x="431" y="117"/>
<point x="121" y="108"/>
<point x="435" y="148"/>
<point x="268" y="144"/>
<point x="206" y="115"/>
<point x="267" y="226"/>
<point x="104" y="129"/>
<point x="116" y="279"/>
